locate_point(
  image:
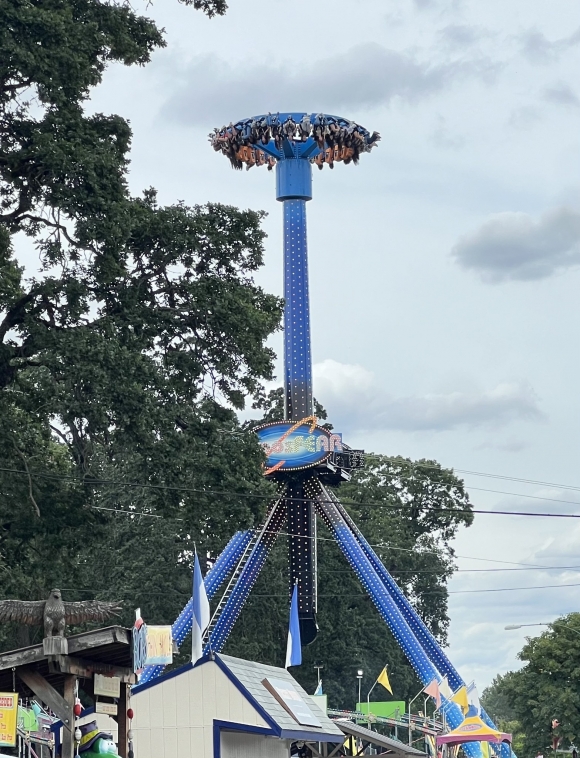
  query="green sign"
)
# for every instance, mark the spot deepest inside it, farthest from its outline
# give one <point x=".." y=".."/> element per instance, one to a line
<point x="388" y="709"/>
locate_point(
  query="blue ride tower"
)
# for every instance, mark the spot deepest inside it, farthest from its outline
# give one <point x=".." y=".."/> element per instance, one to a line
<point x="302" y="456"/>
<point x="294" y="143"/>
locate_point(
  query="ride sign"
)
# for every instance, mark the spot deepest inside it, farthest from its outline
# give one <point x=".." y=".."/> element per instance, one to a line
<point x="296" y="445"/>
<point x="139" y="645"/>
<point x="8" y="718"/>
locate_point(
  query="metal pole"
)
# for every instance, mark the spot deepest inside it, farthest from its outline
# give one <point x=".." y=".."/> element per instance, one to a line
<point x="294" y="189"/>
<point x="369" y="703"/>
<point x="409" y="714"/>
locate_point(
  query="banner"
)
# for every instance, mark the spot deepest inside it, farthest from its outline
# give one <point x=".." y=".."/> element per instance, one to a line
<point x="159" y="646"/>
<point x="296" y="445"/>
<point x="8" y="718"/>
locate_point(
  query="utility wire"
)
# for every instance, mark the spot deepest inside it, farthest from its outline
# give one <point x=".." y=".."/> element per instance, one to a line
<point x="513" y="589"/>
<point x="530" y="497"/>
<point x="225" y="493"/>
<point x="439" y="467"/>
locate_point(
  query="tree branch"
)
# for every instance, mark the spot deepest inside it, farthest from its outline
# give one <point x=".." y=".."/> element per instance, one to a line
<point x="15" y="314"/>
<point x="53" y="225"/>
<point x="30" y="493"/>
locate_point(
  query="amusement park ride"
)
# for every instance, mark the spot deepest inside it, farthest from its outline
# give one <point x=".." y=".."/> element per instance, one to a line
<point x="302" y="457"/>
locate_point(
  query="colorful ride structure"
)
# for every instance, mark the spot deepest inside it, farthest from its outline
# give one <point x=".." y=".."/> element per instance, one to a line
<point x="302" y="457"/>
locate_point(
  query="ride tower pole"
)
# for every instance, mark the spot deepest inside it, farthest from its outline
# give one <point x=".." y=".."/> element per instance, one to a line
<point x="291" y="143"/>
<point x="294" y="189"/>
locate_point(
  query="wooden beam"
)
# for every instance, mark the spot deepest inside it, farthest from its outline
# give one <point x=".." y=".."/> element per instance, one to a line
<point x="21" y="657"/>
<point x="79" y="642"/>
<point x="68" y="735"/>
<point x="43" y="690"/>
<point x="123" y="721"/>
<point x="67" y="664"/>
<point x="98" y="638"/>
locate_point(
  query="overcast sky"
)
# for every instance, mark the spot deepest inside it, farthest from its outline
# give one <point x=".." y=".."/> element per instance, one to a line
<point x="444" y="268"/>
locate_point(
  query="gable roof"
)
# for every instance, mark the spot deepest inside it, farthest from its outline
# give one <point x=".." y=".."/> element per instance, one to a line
<point x="247" y="677"/>
<point x="250" y="675"/>
<point x="473" y="729"/>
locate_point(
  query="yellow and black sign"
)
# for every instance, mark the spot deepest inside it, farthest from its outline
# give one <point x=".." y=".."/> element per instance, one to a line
<point x="8" y="718"/>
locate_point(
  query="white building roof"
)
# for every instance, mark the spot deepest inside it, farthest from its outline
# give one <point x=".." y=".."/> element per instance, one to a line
<point x="251" y="676"/>
<point x="248" y="677"/>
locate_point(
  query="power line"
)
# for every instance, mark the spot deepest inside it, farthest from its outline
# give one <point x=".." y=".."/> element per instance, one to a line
<point x="530" y="497"/>
<point x="528" y="566"/>
<point x="450" y="592"/>
<point x="415" y="551"/>
<point x="465" y="571"/>
<point x="225" y="493"/>
<point x="438" y="467"/>
<point x="518" y="479"/>
<point x="513" y="589"/>
<point x="364" y="594"/>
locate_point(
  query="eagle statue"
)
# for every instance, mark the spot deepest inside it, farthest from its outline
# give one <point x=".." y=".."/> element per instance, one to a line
<point x="54" y="613"/>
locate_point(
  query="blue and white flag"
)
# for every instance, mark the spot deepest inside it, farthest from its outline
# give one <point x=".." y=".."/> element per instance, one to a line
<point x="294" y="647"/>
<point x="473" y="699"/>
<point x="318" y="690"/>
<point x="201" y="614"/>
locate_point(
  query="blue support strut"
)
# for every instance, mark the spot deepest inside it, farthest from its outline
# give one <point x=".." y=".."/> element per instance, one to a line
<point x="383" y="601"/>
<point x="434" y="652"/>
<point x="246" y="580"/>
<point x="224" y="564"/>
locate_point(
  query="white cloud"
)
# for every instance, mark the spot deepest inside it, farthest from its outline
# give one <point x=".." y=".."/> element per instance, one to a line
<point x="462" y="35"/>
<point x="356" y="400"/>
<point x="525" y="117"/>
<point x="538" y="49"/>
<point x="512" y="246"/>
<point x="561" y="94"/>
<point x="367" y="75"/>
<point x="480" y="618"/>
<point x="508" y="446"/>
<point x="562" y="549"/>
<point x="443" y="136"/>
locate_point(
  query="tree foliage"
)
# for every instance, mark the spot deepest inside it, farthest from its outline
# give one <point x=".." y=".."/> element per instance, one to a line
<point x="498" y="704"/>
<point x="123" y="356"/>
<point x="546" y="688"/>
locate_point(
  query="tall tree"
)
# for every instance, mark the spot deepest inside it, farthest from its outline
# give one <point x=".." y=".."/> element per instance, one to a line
<point x="124" y="356"/>
<point x="546" y="688"/>
<point x="499" y="705"/>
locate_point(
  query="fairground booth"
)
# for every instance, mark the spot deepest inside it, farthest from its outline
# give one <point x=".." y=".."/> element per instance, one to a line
<point x="473" y="729"/>
<point x="225" y="707"/>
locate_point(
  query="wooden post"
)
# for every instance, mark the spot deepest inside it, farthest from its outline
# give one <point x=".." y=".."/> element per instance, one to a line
<point x="123" y="747"/>
<point x="68" y="735"/>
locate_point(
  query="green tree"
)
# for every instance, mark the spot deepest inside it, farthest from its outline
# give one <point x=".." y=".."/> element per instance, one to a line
<point x="124" y="357"/>
<point x="499" y="705"/>
<point x="496" y="701"/>
<point x="546" y="688"/>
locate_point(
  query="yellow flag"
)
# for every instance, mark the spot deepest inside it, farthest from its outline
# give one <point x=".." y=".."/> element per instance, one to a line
<point x="460" y="697"/>
<point x="350" y="744"/>
<point x="383" y="679"/>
